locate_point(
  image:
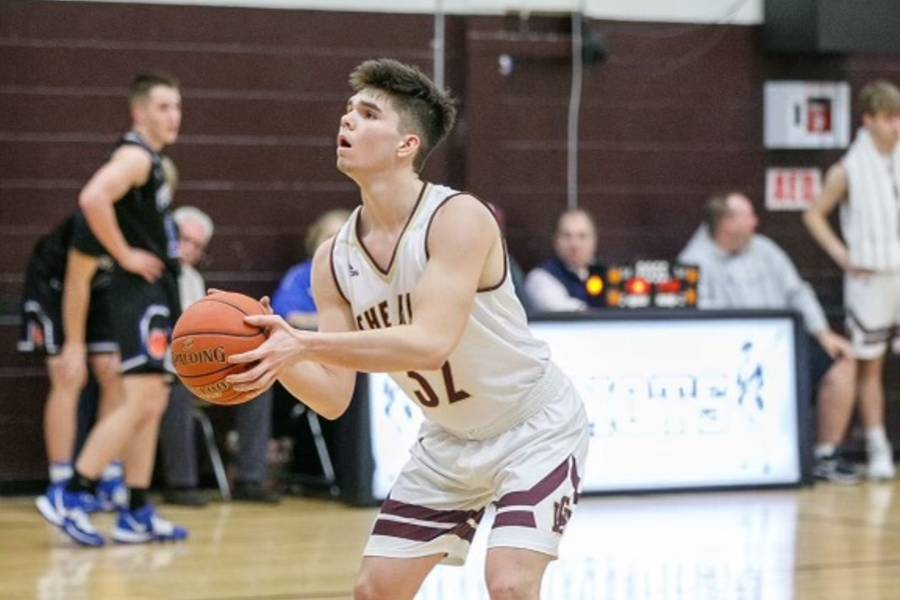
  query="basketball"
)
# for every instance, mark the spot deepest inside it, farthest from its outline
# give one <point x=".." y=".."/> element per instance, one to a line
<point x="206" y="334"/>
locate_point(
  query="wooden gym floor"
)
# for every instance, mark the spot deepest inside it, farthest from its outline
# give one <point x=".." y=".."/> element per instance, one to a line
<point x="822" y="543"/>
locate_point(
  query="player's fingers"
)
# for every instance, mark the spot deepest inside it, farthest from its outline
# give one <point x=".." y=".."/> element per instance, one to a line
<point x="263" y="320"/>
<point x="245" y="378"/>
<point x="213" y="291"/>
<point x="267" y="305"/>
<point x="247" y="357"/>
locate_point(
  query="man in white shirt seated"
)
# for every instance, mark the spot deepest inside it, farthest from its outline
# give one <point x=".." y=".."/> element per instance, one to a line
<point x="740" y="268"/>
<point x="558" y="283"/>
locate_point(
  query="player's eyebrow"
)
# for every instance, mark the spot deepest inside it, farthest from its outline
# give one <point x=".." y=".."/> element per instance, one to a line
<point x="365" y="103"/>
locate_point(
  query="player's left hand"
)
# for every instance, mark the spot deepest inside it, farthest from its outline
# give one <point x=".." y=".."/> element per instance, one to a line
<point x="283" y="347"/>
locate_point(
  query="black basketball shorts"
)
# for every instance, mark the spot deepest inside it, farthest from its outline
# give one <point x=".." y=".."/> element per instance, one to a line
<point x="143" y="315"/>
<point x="41" y="319"/>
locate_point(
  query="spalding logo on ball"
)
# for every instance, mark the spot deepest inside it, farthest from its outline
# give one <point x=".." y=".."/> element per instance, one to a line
<point x="207" y="333"/>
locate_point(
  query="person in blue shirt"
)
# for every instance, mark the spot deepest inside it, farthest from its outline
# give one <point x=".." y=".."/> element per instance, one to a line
<point x="293" y="299"/>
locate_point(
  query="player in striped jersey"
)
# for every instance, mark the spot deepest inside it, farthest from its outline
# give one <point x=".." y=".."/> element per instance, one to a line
<point x="416" y="284"/>
<point x="866" y="186"/>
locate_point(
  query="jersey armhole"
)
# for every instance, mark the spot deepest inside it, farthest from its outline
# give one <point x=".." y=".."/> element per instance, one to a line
<point x="334" y="276"/>
<point x="499" y="231"/>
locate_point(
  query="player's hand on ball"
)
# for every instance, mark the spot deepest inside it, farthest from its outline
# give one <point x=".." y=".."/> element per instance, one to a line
<point x="282" y="348"/>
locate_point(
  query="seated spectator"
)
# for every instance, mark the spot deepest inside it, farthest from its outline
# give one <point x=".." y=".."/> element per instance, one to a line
<point x="558" y="284"/>
<point x="293" y="299"/>
<point x="253" y="420"/>
<point x="740" y="268"/>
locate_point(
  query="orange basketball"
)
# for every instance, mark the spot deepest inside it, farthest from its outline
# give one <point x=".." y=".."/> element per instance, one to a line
<point x="206" y="334"/>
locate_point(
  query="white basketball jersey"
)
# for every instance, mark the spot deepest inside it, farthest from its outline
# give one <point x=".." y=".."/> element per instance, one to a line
<point x="489" y="382"/>
<point x="870" y="218"/>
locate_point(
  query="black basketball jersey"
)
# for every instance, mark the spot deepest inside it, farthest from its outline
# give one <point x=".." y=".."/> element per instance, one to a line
<point x="144" y="214"/>
<point x="48" y="260"/>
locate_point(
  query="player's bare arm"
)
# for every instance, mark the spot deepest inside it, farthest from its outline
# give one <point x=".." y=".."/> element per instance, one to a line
<point x="462" y="239"/>
<point x="834" y="191"/>
<point x="76" y="298"/>
<point x="326" y="389"/>
<point x="127" y="168"/>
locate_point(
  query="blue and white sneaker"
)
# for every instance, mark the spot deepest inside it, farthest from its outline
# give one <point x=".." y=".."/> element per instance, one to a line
<point x="144" y="525"/>
<point x="47" y="504"/>
<point x="112" y="495"/>
<point x="73" y="506"/>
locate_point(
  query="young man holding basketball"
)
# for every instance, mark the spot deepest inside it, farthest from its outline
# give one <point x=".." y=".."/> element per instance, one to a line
<point x="416" y="284"/>
<point x="126" y="203"/>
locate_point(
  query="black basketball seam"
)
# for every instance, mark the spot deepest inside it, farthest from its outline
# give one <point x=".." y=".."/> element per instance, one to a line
<point x="210" y="373"/>
<point x="220" y="301"/>
<point x="220" y="334"/>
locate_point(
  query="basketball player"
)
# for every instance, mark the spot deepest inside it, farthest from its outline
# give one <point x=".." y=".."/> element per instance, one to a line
<point x="416" y="284"/>
<point x="71" y="328"/>
<point x="126" y="204"/>
<point x="866" y="185"/>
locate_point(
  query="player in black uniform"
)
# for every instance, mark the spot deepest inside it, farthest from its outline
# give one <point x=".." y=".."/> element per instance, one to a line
<point x="71" y="329"/>
<point x="126" y="203"/>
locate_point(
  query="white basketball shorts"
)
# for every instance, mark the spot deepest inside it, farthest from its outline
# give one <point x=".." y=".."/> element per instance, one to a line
<point x="530" y="472"/>
<point x="873" y="312"/>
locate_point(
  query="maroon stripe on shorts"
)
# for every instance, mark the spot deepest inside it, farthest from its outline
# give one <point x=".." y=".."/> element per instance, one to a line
<point x="423" y="513"/>
<point x="515" y="518"/>
<point x="423" y="533"/>
<point x="408" y="531"/>
<point x="541" y="489"/>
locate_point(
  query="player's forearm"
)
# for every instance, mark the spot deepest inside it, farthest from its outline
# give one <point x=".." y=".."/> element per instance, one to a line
<point x="401" y="348"/>
<point x="101" y="216"/>
<point x="818" y="226"/>
<point x="325" y="391"/>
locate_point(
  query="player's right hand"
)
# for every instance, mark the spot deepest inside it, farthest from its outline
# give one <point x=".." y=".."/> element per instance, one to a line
<point x="143" y="263"/>
<point x="283" y="346"/>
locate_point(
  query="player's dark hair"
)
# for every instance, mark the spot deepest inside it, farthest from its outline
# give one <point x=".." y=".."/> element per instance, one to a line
<point x="879" y="96"/>
<point x="146" y="81"/>
<point x="424" y="109"/>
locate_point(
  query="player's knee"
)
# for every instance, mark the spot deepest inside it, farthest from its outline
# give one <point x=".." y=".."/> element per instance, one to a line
<point x="369" y="587"/>
<point x="510" y="585"/>
<point x="106" y="371"/>
<point x="71" y="380"/>
<point x="145" y="409"/>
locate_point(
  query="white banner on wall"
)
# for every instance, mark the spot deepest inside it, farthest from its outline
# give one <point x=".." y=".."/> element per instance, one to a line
<point x="791" y="188"/>
<point x="679" y="403"/>
<point x="806" y="114"/>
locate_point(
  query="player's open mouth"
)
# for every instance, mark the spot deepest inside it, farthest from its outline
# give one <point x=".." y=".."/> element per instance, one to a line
<point x="342" y="142"/>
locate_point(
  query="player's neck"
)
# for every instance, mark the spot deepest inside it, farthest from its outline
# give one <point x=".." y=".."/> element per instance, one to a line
<point x="151" y="141"/>
<point x="388" y="201"/>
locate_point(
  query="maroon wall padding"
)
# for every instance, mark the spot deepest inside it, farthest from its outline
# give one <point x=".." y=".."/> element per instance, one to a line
<point x="673" y="115"/>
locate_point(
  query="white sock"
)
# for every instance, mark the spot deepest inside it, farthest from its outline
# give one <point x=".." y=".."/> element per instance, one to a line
<point x="823" y="450"/>
<point x="113" y="470"/>
<point x="60" y="472"/>
<point x="876" y="436"/>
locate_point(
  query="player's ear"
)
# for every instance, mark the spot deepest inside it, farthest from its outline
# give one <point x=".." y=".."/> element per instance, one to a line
<point x="409" y="145"/>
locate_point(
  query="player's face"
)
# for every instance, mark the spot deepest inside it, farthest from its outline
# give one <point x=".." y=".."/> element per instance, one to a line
<point x="576" y="241"/>
<point x="159" y="115"/>
<point x="369" y="138"/>
<point x="884" y="128"/>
